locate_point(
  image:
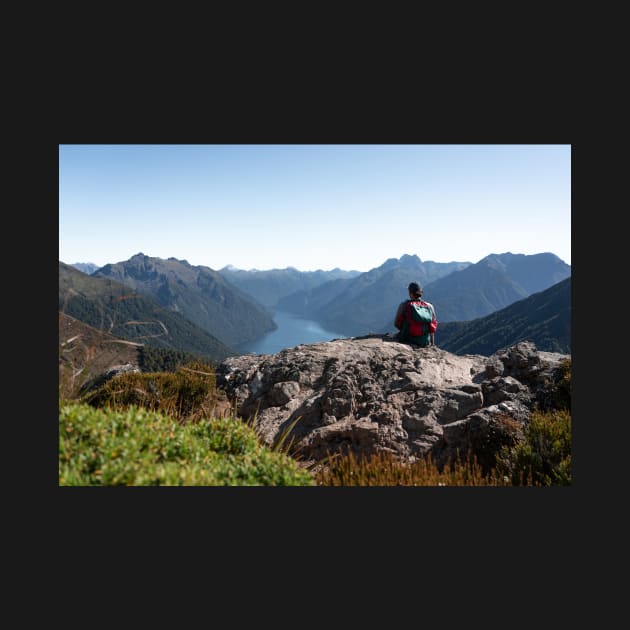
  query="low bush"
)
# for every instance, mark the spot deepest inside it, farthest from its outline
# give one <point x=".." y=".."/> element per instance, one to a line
<point x="544" y="457"/>
<point x="138" y="447"/>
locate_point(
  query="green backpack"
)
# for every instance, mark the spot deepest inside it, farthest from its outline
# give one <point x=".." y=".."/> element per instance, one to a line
<point x="417" y="323"/>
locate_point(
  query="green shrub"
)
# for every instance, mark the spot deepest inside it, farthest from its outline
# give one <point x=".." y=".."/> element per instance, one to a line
<point x="138" y="447"/>
<point x="544" y="457"/>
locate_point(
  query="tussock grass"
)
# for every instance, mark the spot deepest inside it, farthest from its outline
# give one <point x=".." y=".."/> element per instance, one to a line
<point x="187" y="395"/>
<point x="388" y="469"/>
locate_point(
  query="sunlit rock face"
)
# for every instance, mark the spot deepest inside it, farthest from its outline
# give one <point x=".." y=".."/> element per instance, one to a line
<point x="370" y="395"/>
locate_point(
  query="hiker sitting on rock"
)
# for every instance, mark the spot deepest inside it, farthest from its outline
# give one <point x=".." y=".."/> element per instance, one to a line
<point x="415" y="319"/>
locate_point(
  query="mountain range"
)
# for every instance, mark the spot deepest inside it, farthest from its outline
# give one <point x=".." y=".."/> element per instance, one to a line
<point x="232" y="306"/>
<point x="459" y="291"/>
<point x="200" y="294"/>
<point x="367" y="302"/>
<point x="270" y="286"/>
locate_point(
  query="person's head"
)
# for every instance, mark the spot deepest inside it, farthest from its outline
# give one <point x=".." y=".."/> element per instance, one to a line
<point x="415" y="290"/>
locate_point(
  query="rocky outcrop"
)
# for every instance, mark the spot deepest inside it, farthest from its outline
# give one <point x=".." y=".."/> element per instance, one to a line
<point x="369" y="395"/>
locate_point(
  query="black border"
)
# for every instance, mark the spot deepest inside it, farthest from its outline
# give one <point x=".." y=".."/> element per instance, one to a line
<point x="429" y="526"/>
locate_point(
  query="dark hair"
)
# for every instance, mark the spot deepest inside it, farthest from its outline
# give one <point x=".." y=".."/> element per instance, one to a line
<point x="415" y="288"/>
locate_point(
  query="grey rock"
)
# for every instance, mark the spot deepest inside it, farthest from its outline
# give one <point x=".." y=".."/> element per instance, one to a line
<point x="372" y="394"/>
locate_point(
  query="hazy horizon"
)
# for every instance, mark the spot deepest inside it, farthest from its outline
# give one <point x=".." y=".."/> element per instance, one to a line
<point x="88" y="262"/>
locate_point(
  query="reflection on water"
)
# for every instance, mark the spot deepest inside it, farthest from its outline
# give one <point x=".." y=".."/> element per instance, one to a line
<point x="292" y="331"/>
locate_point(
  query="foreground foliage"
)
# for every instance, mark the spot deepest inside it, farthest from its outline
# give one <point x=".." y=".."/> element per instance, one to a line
<point x="167" y="428"/>
<point x="137" y="447"/>
<point x="544" y="458"/>
<point x="187" y="394"/>
<point x="387" y="469"/>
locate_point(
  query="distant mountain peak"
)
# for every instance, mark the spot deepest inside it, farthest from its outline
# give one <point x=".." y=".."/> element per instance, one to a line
<point x="407" y="258"/>
<point x="509" y="256"/>
<point x="183" y="261"/>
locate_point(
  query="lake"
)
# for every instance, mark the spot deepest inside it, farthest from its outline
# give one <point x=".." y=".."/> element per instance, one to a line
<point x="292" y="331"/>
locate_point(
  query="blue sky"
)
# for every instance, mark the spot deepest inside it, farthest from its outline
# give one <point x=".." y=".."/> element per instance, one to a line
<point x="312" y="206"/>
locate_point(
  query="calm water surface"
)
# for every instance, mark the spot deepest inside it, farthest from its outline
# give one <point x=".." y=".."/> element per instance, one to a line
<point x="292" y="331"/>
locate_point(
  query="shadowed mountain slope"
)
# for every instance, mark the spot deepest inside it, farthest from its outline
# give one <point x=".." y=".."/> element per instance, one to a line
<point x="543" y="318"/>
<point x="493" y="283"/>
<point x="114" y="308"/>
